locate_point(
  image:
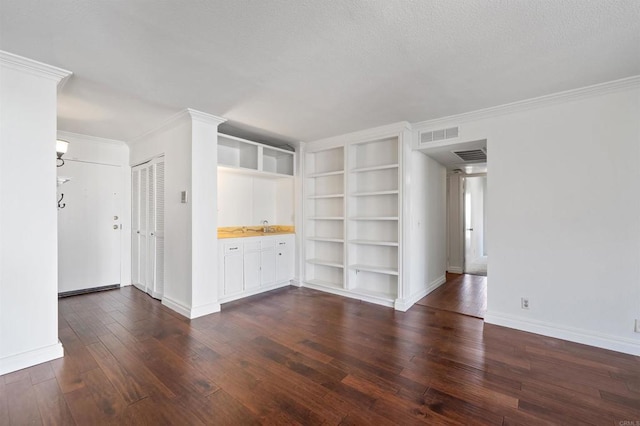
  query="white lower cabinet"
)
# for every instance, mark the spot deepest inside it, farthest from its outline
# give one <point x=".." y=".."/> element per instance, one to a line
<point x="233" y="282"/>
<point x="252" y="265"/>
<point x="284" y="259"/>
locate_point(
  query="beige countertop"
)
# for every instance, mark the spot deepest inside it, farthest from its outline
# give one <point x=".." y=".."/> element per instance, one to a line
<point x="254" y="231"/>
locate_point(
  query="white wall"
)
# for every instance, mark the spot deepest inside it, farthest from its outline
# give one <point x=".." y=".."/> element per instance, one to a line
<point x="174" y="143"/>
<point x="204" y="233"/>
<point x="28" y="214"/>
<point x="189" y="146"/>
<point x="247" y="200"/>
<point x="428" y="225"/>
<point x="563" y="216"/>
<point x="91" y="149"/>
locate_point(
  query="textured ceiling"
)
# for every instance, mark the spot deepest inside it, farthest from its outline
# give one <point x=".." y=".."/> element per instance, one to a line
<point x="308" y="69"/>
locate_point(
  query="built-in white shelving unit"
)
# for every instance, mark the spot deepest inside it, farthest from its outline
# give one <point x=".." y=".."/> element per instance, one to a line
<point x="324" y="211"/>
<point x="247" y="156"/>
<point x="373" y="209"/>
<point x="354" y="211"/>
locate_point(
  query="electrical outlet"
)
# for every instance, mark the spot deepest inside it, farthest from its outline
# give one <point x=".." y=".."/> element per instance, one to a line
<point x="637" y="328"/>
<point x="524" y="303"/>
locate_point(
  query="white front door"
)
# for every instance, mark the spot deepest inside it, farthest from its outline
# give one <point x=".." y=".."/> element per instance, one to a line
<point x="89" y="226"/>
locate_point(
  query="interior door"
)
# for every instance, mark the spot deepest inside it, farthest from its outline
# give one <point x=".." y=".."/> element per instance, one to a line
<point x="89" y="226"/>
<point x="147" y="211"/>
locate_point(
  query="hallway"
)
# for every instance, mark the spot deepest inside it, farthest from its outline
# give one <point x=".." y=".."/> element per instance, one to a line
<point x="462" y="293"/>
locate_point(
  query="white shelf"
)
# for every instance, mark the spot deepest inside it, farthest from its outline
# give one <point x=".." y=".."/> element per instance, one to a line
<point x="325" y="263"/>
<point x="327" y="240"/>
<point x="377" y="269"/>
<point x="375" y="243"/>
<point x="250" y="171"/>
<point x="374" y="218"/>
<point x="334" y="173"/>
<point x="375" y="294"/>
<point x="322" y="283"/>
<point x="245" y="156"/>
<point x="316" y="197"/>
<point x="372" y="193"/>
<point x="326" y="218"/>
<point x="374" y="168"/>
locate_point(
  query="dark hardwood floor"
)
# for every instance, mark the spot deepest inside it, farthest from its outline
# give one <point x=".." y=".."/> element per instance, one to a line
<point x="462" y="293"/>
<point x="298" y="356"/>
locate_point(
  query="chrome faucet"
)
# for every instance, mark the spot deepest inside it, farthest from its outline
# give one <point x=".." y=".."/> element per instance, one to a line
<point x="265" y="226"/>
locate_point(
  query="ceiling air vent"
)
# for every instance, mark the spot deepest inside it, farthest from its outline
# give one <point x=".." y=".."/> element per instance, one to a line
<point x="472" y="155"/>
<point x="438" y="135"/>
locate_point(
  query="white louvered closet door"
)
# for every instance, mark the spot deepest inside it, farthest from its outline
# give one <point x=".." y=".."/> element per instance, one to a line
<point x="159" y="230"/>
<point x="144" y="219"/>
<point x="135" y="226"/>
<point x="151" y="224"/>
<point x="147" y="245"/>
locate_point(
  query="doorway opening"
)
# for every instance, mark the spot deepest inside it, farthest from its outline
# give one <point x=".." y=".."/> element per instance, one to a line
<point x="475" y="219"/>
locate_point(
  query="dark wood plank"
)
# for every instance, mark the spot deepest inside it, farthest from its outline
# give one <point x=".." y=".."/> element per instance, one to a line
<point x="463" y="294"/>
<point x="52" y="404"/>
<point x="119" y="376"/>
<point x="4" y="407"/>
<point x="22" y="403"/>
<point x="298" y="356"/>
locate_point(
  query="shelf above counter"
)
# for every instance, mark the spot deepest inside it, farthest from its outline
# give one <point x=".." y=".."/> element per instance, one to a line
<point x="245" y="156"/>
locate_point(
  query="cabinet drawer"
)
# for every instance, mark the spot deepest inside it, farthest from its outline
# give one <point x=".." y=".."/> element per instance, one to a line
<point x="268" y="243"/>
<point x="252" y="246"/>
<point x="232" y="248"/>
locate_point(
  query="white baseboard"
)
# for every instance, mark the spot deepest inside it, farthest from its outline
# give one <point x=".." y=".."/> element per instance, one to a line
<point x="255" y="291"/>
<point x="202" y="310"/>
<point x="191" y="313"/>
<point x="455" y="269"/>
<point x="352" y="295"/>
<point x="614" y="343"/>
<point x="176" y="306"/>
<point x="404" y="306"/>
<point x="30" y="358"/>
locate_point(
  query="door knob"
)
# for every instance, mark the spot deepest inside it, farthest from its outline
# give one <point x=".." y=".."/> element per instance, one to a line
<point x="469" y="229"/>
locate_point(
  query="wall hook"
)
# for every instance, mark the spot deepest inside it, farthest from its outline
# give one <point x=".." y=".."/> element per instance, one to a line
<point x="61" y="205"/>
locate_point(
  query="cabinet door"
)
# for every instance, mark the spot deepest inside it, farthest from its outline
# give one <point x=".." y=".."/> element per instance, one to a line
<point x="251" y="270"/>
<point x="233" y="274"/>
<point x="268" y="266"/>
<point x="284" y="260"/>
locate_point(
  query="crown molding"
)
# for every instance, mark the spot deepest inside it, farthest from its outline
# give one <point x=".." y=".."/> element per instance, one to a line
<point x="187" y="113"/>
<point x="533" y="103"/>
<point x="20" y="63"/>
<point x="204" y="117"/>
<point x="380" y="132"/>
<point x="70" y="135"/>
